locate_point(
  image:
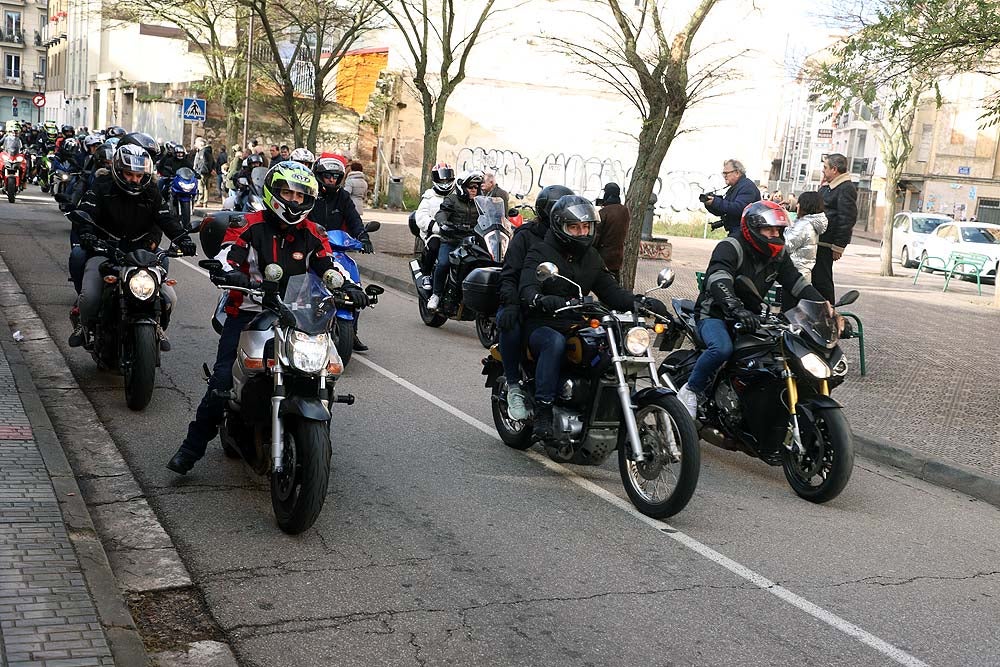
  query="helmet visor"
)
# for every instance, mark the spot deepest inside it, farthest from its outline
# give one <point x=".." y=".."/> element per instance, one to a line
<point x="443" y="174"/>
<point x="768" y="217"/>
<point x="139" y="163"/>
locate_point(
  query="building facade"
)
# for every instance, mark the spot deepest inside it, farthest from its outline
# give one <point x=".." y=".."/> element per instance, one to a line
<point x="22" y="41"/>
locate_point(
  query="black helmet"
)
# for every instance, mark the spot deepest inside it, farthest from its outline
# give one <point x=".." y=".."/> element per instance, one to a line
<point x="103" y="156"/>
<point x="142" y="140"/>
<point x="443" y="178"/>
<point x="762" y="214"/>
<point x="68" y="131"/>
<point x="327" y="166"/>
<point x="253" y="161"/>
<point x="546" y="199"/>
<point x="115" y="131"/>
<point x="179" y="151"/>
<point x="570" y="209"/>
<point x="132" y="159"/>
<point x="71" y="145"/>
<point x="467" y="179"/>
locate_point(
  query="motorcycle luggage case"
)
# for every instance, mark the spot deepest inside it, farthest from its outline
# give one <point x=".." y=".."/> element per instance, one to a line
<point x="481" y="290"/>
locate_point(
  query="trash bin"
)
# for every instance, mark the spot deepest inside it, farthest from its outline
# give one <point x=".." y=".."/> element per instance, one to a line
<point x="647" y="219"/>
<point x="395" y="192"/>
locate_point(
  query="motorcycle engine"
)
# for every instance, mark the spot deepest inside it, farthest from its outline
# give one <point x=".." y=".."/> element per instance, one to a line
<point x="728" y="404"/>
<point x="566" y="425"/>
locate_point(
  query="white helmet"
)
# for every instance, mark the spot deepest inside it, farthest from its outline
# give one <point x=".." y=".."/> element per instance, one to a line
<point x="469" y="178"/>
<point x="303" y="156"/>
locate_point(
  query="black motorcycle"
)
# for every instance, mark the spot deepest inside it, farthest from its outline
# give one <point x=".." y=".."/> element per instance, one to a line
<point x="472" y="291"/>
<point x="602" y="404"/>
<point x="772" y="398"/>
<point x="127" y="334"/>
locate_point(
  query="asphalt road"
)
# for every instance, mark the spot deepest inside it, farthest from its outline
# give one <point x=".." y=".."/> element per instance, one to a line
<point x="438" y="545"/>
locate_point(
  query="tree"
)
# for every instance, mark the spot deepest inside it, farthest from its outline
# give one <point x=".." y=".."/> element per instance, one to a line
<point x="303" y="42"/>
<point x="434" y="44"/>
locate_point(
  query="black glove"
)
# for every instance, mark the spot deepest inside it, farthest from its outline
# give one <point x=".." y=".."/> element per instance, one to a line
<point x="366" y="246"/>
<point x="89" y="241"/>
<point x="746" y="319"/>
<point x="549" y="303"/>
<point x="231" y="279"/>
<point x="654" y="305"/>
<point x="508" y="317"/>
<point x="187" y="246"/>
<point x="357" y="296"/>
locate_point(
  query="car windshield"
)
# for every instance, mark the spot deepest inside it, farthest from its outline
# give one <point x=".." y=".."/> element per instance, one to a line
<point x="923" y="225"/>
<point x="980" y="235"/>
<point x="308" y="301"/>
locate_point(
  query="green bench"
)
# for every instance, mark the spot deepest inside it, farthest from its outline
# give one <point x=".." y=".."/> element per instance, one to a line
<point x="773" y="299"/>
<point x="965" y="264"/>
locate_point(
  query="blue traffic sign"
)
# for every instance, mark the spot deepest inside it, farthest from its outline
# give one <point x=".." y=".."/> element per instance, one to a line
<point x="193" y="109"/>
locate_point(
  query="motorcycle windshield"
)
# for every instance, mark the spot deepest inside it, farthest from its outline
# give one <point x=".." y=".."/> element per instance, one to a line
<point x="816" y="322"/>
<point x="185" y="174"/>
<point x="11" y="145"/>
<point x="257" y="179"/>
<point x="310" y="303"/>
<point x="493" y="226"/>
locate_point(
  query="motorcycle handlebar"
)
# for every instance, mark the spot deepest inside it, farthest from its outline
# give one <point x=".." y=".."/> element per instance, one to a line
<point x="718" y="224"/>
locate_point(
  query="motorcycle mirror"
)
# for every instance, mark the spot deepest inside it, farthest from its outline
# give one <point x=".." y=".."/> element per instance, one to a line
<point x="373" y="226"/>
<point x="512" y="213"/>
<point x="374" y="290"/>
<point x="273" y="273"/>
<point x="546" y="270"/>
<point x="332" y="278"/>
<point x="518" y="195"/>
<point x="210" y="265"/>
<point x="80" y="217"/>
<point x="848" y="298"/>
<point x="665" y="278"/>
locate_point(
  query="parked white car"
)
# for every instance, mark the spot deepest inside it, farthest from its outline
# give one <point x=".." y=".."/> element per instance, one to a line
<point x="910" y="231"/>
<point x="971" y="237"/>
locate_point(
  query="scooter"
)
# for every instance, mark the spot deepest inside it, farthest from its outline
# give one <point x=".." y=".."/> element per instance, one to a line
<point x="342" y="244"/>
<point x="183" y="190"/>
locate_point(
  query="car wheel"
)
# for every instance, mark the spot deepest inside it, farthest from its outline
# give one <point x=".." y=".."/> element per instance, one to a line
<point x="904" y="257"/>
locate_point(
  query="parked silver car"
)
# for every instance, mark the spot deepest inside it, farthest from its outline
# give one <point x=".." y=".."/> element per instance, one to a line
<point x="910" y="232"/>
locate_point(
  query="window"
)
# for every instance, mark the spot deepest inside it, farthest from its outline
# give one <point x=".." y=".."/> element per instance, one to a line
<point x="925" y="225"/>
<point x="12" y="26"/>
<point x="980" y="235"/>
<point x="42" y="62"/>
<point x="899" y="222"/>
<point x="12" y="66"/>
<point x="942" y="231"/>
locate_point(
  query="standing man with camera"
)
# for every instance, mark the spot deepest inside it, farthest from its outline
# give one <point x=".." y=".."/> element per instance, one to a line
<point x="741" y="193"/>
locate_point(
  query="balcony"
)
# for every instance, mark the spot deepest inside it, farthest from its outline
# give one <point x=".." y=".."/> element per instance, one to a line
<point x="13" y="79"/>
<point x="12" y="37"/>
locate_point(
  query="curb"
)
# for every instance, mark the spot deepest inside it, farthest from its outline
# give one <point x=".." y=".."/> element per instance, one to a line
<point x="386" y="280"/>
<point x="123" y="637"/>
<point x="957" y="476"/>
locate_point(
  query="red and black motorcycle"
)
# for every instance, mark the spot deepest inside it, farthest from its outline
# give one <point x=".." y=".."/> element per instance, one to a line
<point x="15" y="166"/>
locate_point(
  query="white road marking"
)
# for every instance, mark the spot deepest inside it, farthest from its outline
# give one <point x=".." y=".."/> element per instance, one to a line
<point x="831" y="619"/>
<point x="192" y="266"/>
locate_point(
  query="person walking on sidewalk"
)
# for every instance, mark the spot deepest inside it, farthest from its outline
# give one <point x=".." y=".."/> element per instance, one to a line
<point x="840" y="201"/>
<point x="357" y="186"/>
<point x="613" y="230"/>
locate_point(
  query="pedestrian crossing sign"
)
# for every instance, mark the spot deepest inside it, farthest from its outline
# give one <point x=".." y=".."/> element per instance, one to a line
<point x="193" y="109"/>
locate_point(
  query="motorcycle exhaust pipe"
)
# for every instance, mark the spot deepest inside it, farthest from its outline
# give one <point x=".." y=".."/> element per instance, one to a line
<point x="719" y="439"/>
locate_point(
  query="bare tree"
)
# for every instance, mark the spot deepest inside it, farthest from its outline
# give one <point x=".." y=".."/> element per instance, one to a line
<point x="432" y="40"/>
<point x="302" y="43"/>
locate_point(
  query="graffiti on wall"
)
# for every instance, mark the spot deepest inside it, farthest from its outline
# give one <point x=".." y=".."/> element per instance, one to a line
<point x="513" y="172"/>
<point x="584" y="176"/>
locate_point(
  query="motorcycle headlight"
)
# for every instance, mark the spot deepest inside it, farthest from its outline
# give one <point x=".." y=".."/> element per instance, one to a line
<point x="142" y="285"/>
<point x="815" y="365"/>
<point x="637" y="340"/>
<point x="309" y="353"/>
<point x="19" y="159"/>
<point x="64" y="176"/>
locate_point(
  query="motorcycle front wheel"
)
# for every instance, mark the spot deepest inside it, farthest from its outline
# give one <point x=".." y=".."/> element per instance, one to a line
<point x="824" y="470"/>
<point x="515" y="434"/>
<point x="186" y="215"/>
<point x="345" y="340"/>
<point x="299" y="491"/>
<point x="11" y="188"/>
<point x="139" y="363"/>
<point x="486" y="329"/>
<point x="662" y="485"/>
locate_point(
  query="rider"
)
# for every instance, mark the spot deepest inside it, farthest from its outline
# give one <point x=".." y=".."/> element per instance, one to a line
<point x="242" y="182"/>
<point x="758" y="254"/>
<point x="509" y="315"/>
<point x="569" y="245"/>
<point x="65" y="132"/>
<point x="443" y="184"/>
<point x="280" y="234"/>
<point x="125" y="204"/>
<point x="335" y="210"/>
<point x="457" y="216"/>
<point x="303" y="156"/>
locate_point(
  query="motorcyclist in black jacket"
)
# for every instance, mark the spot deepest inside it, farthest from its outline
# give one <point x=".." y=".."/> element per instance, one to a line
<point x="124" y="204"/>
<point x="456" y="218"/>
<point x="569" y="245"/>
<point x="509" y="315"/>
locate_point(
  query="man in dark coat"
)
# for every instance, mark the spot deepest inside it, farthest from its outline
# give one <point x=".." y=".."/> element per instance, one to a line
<point x="840" y="199"/>
<point x="613" y="230"/>
<point x="741" y="193"/>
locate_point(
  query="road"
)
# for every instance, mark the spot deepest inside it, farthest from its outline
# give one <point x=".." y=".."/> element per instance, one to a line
<point x="438" y="545"/>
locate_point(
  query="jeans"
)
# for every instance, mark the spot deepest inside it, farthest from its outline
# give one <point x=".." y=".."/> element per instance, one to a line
<point x="548" y="346"/>
<point x="442" y="267"/>
<point x="719" y="348"/>
<point x="77" y="262"/>
<point x="510" y="349"/>
<point x="212" y="408"/>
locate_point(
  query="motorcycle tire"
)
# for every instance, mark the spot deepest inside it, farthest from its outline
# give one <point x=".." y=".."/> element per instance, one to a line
<point x="139" y="365"/>
<point x="45" y="187"/>
<point x="345" y="340"/>
<point x="298" y="493"/>
<point x="827" y="438"/>
<point x="486" y="329"/>
<point x="11" y="189"/>
<point x="641" y="480"/>
<point x="515" y="434"/>
<point x="430" y="319"/>
<point x="186" y="215"/>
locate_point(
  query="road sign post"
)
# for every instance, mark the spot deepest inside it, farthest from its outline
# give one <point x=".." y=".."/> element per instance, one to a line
<point x="193" y="110"/>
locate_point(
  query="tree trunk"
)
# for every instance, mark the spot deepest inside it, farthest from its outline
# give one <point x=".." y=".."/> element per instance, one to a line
<point x="891" y="180"/>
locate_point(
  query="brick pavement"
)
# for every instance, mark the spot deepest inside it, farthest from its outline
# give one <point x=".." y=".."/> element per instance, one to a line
<point x="47" y="616"/>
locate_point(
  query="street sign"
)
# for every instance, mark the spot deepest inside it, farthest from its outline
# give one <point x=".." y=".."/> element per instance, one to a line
<point x="964" y="171"/>
<point x="38" y="100"/>
<point x="193" y="109"/>
<point x="824" y="133"/>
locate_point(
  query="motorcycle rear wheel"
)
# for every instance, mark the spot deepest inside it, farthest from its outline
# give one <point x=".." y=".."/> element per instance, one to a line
<point x="661" y="486"/>
<point x="515" y="434"/>
<point x="826" y="468"/>
<point x="299" y="492"/>
<point x="486" y="329"/>
<point x="11" y="189"/>
<point x="140" y="365"/>
<point x="429" y="318"/>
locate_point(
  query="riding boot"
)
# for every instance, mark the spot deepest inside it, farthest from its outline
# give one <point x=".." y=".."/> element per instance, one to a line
<point x="542" y="429"/>
<point x="182" y="461"/>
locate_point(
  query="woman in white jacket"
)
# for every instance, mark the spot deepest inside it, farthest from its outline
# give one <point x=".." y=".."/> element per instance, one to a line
<point x="802" y="237"/>
<point x="443" y="181"/>
<point x="357" y="186"/>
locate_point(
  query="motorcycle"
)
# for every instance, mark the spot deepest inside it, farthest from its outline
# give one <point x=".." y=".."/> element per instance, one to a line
<point x="342" y="244"/>
<point x="250" y="195"/>
<point x="286" y="370"/>
<point x="127" y="334"/>
<point x="14" y="170"/>
<point x="600" y="407"/>
<point x="472" y="288"/>
<point x="183" y="190"/>
<point x="772" y="398"/>
<point x="63" y="177"/>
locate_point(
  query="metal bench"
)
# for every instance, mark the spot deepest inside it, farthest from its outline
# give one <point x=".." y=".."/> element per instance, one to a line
<point x="965" y="264"/>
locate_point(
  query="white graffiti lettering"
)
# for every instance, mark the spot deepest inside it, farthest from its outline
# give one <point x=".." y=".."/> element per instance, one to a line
<point x="513" y="173"/>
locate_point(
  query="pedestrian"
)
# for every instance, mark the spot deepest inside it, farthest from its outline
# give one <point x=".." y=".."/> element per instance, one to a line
<point x="221" y="160"/>
<point x="285" y="153"/>
<point x="740" y="194"/>
<point x="613" y="230"/>
<point x="275" y="155"/>
<point x="357" y="186"/>
<point x="802" y="238"/>
<point x="204" y="167"/>
<point x="491" y="189"/>
<point x="840" y="202"/>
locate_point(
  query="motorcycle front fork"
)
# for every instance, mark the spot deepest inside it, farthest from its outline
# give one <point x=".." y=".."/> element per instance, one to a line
<point x="796" y="446"/>
<point x="628" y="410"/>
